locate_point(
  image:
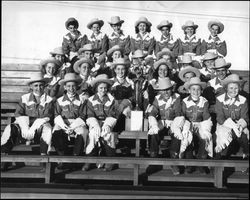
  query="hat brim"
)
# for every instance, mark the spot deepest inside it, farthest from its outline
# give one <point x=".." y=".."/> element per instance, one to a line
<point x="194" y="26"/>
<point x="158" y="64"/>
<point x="126" y="64"/>
<point x="211" y="23"/>
<point x="212" y="58"/>
<point x="227" y="66"/>
<point x="160" y="54"/>
<point x="56" y="53"/>
<point x="111" y="51"/>
<point x="146" y="22"/>
<point x="100" y="22"/>
<point x="95" y="81"/>
<point x="187" y="85"/>
<point x="46" y="61"/>
<point x="120" y="22"/>
<point x="45" y="80"/>
<point x="226" y="82"/>
<point x="162" y="25"/>
<point x="63" y="81"/>
<point x="187" y="70"/>
<point x="78" y="64"/>
<point x="143" y="56"/>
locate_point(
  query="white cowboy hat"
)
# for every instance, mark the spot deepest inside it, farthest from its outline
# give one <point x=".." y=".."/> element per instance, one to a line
<point x="162" y="61"/>
<point x="163" y="84"/>
<point x="188" y="69"/>
<point x="142" y="20"/>
<point x="57" y="51"/>
<point x="101" y="78"/>
<point x="164" y="51"/>
<point x="95" y="21"/>
<point x="218" y="23"/>
<point x="38" y="77"/>
<point x="121" y="61"/>
<point x="81" y="61"/>
<point x="232" y="78"/>
<point x="221" y="63"/>
<point x="189" y="24"/>
<point x="209" y="56"/>
<point x="115" y="20"/>
<point x="70" y="77"/>
<point x="138" y="54"/>
<point x="194" y="81"/>
<point x="71" y="19"/>
<point x="113" y="49"/>
<point x="164" y="23"/>
<point x="86" y="47"/>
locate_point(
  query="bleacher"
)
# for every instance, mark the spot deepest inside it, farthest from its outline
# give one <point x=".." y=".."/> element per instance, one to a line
<point x="14" y="78"/>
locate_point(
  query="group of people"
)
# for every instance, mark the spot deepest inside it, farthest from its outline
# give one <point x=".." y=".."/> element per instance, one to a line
<point x="88" y="87"/>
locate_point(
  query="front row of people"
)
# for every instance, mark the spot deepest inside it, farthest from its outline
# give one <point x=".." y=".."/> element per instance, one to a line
<point x="88" y="123"/>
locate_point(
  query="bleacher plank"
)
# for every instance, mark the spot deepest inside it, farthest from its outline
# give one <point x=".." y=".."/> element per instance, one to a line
<point x="10" y="97"/>
<point x="19" y="67"/>
<point x="238" y="177"/>
<point x="13" y="88"/>
<point x="24" y="172"/>
<point x="14" y="81"/>
<point x="167" y="175"/>
<point x="20" y="74"/>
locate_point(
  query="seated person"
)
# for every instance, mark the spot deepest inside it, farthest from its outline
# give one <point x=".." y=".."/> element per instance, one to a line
<point x="207" y="71"/>
<point x="198" y="124"/>
<point x="232" y="120"/>
<point x="33" y="116"/>
<point x="102" y="117"/>
<point x="70" y="116"/>
<point x="166" y="107"/>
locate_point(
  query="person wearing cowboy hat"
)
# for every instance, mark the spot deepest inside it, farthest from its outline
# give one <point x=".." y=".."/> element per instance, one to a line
<point x="214" y="43"/>
<point x="83" y="68"/>
<point x="73" y="40"/>
<point x="166" y="39"/>
<point x="50" y="68"/>
<point x="142" y="39"/>
<point x="117" y="37"/>
<point x="184" y="76"/>
<point x="102" y="116"/>
<point x="232" y="120"/>
<point x="70" y="116"/>
<point x="32" y="119"/>
<point x="196" y="130"/>
<point x="161" y="114"/>
<point x="59" y="55"/>
<point x="208" y="61"/>
<point x="190" y="43"/>
<point x="98" y="39"/>
<point x="162" y="69"/>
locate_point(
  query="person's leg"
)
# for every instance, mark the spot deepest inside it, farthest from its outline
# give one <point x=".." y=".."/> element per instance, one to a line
<point x="174" y="153"/>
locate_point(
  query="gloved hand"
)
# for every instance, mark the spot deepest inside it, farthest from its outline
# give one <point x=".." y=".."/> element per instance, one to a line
<point x="97" y="131"/>
<point x="105" y="129"/>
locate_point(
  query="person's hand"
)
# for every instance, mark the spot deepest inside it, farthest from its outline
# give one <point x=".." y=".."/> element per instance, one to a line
<point x="127" y="111"/>
<point x="106" y="129"/>
<point x="145" y="94"/>
<point x="97" y="131"/>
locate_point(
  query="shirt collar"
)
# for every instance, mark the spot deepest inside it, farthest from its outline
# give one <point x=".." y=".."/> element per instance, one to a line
<point x="227" y="97"/>
<point x="190" y="99"/>
<point x="66" y="98"/>
<point x="105" y="98"/>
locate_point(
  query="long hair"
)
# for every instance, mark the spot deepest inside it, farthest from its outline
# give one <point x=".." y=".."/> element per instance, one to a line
<point x="148" y="29"/>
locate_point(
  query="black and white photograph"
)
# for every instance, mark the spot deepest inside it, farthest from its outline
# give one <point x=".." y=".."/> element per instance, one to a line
<point x="125" y="100"/>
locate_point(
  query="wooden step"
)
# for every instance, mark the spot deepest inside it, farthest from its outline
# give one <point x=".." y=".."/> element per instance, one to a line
<point x="167" y="175"/>
<point x="238" y="177"/>
<point x="24" y="172"/>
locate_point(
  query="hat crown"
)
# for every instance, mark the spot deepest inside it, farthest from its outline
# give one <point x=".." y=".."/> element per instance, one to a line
<point x="209" y="56"/>
<point x="163" y="84"/>
<point x="88" y="47"/>
<point x="143" y="20"/>
<point x="115" y="20"/>
<point x="220" y="62"/>
<point x="120" y="60"/>
<point x="138" y="53"/>
<point x="195" y="80"/>
<point x="189" y="23"/>
<point x="186" y="59"/>
<point x="165" y="49"/>
<point x="70" y="76"/>
<point x="50" y="60"/>
<point x="57" y="50"/>
<point x="37" y="76"/>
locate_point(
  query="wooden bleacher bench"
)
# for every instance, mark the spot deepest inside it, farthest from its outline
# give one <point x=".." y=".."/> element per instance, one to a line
<point x="135" y="174"/>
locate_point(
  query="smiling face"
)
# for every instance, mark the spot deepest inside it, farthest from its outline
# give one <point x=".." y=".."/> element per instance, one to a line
<point x="142" y="28"/>
<point x="50" y="69"/>
<point x="84" y="69"/>
<point x="232" y="89"/>
<point x="195" y="91"/>
<point x="209" y="63"/>
<point x="120" y="71"/>
<point x="187" y="76"/>
<point x="70" y="87"/>
<point x="37" y="88"/>
<point x="165" y="93"/>
<point x="116" y="27"/>
<point x="214" y="30"/>
<point x="189" y="31"/>
<point x="163" y="71"/>
<point x="96" y="28"/>
<point x="165" y="30"/>
<point x="72" y="29"/>
<point x="102" y="89"/>
<point x="221" y="73"/>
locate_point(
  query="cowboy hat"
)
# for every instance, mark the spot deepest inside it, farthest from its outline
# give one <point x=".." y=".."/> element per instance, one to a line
<point x="232" y="78"/>
<point x="221" y="63"/>
<point x="139" y="54"/>
<point x="164" y="51"/>
<point x="86" y="47"/>
<point x="70" y="77"/>
<point x="186" y="59"/>
<point x="189" y="24"/>
<point x="80" y="62"/>
<point x="194" y="81"/>
<point x="38" y="77"/>
<point x="142" y="20"/>
<point x="163" y="84"/>
<point x="71" y="20"/>
<point x="113" y="49"/>
<point x="57" y="51"/>
<point x="115" y="20"/>
<point x="95" y="21"/>
<point x="162" y="62"/>
<point x="188" y="69"/>
<point x="164" y="23"/>
<point x="209" y="56"/>
<point x="101" y="78"/>
<point x="51" y="60"/>
<point x="121" y="61"/>
<point x="216" y="22"/>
